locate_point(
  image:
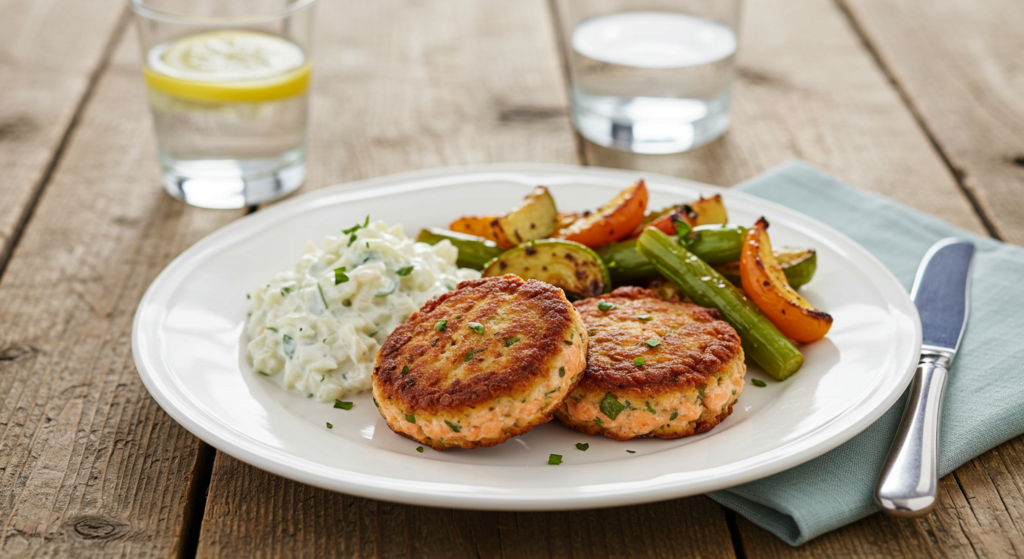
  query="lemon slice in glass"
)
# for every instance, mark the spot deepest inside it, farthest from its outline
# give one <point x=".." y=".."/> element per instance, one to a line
<point x="228" y="66"/>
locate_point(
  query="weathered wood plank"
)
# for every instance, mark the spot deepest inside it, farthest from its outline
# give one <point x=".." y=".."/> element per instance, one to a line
<point x="288" y="519"/>
<point x="959" y="64"/>
<point x="403" y="85"/>
<point x="46" y="67"/>
<point x="89" y="463"/>
<point x="807" y="89"/>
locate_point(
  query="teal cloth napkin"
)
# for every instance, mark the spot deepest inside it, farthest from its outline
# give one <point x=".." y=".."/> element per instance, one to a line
<point x="984" y="403"/>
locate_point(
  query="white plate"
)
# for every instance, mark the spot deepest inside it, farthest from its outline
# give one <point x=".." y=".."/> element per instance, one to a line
<point x="188" y="349"/>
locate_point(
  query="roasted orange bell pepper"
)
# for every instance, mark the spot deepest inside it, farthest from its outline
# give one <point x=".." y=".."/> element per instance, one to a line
<point x="613" y="221"/>
<point x="766" y="285"/>
<point x="476" y="225"/>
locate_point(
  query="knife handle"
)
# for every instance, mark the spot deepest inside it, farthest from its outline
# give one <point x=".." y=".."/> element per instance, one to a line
<point x="910" y="477"/>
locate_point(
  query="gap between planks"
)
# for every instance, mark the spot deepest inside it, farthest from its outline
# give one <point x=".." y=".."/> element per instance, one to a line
<point x="958" y="174"/>
<point x="58" y="153"/>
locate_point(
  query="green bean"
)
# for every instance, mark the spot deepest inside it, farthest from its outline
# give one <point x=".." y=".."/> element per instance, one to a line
<point x="474" y="252"/>
<point x="716" y="244"/>
<point x="761" y="340"/>
<point x="624" y="262"/>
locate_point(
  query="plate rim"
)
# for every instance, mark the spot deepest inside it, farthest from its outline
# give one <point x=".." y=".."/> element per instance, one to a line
<point x="370" y="486"/>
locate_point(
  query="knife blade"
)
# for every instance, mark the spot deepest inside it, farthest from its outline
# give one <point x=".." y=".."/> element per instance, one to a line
<point x="941" y="293"/>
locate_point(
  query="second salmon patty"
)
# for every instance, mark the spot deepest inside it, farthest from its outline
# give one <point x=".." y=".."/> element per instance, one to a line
<point x="654" y="368"/>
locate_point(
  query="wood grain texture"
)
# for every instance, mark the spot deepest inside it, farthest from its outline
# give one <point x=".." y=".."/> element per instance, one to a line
<point x="89" y="463"/>
<point x="960" y="65"/>
<point x="979" y="514"/>
<point x="288" y="519"/>
<point x="808" y="89"/>
<point x="403" y="85"/>
<point x="47" y="65"/>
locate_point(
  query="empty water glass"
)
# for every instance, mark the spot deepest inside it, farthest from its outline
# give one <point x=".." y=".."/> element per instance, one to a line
<point x="651" y="76"/>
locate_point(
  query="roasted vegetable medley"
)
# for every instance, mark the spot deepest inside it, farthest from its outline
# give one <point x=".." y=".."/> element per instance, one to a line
<point x="705" y="259"/>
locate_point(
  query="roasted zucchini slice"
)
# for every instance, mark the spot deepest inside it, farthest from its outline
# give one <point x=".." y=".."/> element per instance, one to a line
<point x="474" y="252"/>
<point x="574" y="268"/>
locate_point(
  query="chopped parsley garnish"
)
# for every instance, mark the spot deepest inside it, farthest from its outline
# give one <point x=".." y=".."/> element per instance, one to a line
<point x="411" y="418"/>
<point x="555" y="459"/>
<point x="631" y="451"/>
<point x="441" y="325"/>
<point x="338" y="404"/>
<point x="611" y="407"/>
<point x="322" y="298"/>
<point x="674" y="415"/>
<point x="404" y="271"/>
<point x="644" y="317"/>
<point x="419" y="449"/>
<point x="647" y="406"/>
<point x="285" y="290"/>
<point x="700" y="392"/>
<point x="653" y="342"/>
<point x="569" y="341"/>
<point x="757" y="382"/>
<point x="592" y="332"/>
<point x="476" y="327"/>
<point x="247" y="296"/>
<point x="458" y="316"/>
<point x="405" y="370"/>
<point x="339" y="275"/>
<point x="510" y="341"/>
<point x="605" y="306"/>
<point x="375" y="401"/>
<point x="272" y="329"/>
<point x="582" y="446"/>
<point x="561" y="372"/>
<point x="329" y="426"/>
<point x="598" y="421"/>
<point x="356" y="227"/>
<point x="733" y="391"/>
<point x="469" y="356"/>
<point x="639" y="362"/>
<point x="453" y="426"/>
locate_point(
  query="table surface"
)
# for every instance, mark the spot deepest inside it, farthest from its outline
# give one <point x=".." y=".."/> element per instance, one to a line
<point x="922" y="104"/>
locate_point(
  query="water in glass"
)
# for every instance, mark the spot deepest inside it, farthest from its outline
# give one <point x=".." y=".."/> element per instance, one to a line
<point x="652" y="82"/>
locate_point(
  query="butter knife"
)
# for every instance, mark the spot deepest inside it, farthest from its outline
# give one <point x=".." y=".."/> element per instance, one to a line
<point x="941" y="294"/>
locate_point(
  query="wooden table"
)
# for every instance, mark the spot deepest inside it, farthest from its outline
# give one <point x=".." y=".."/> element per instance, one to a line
<point x="923" y="102"/>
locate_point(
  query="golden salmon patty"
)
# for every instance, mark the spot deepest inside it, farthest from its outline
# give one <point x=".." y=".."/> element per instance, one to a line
<point x="654" y="368"/>
<point x="483" y="363"/>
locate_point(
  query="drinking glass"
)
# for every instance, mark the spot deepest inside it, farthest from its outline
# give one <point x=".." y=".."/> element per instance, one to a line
<point x="227" y="84"/>
<point x="650" y="76"/>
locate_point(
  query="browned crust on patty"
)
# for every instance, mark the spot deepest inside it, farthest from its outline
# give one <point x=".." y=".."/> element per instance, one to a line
<point x="442" y="374"/>
<point x="695" y="343"/>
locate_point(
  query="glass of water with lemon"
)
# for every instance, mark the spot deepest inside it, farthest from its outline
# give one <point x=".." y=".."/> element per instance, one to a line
<point x="228" y="84"/>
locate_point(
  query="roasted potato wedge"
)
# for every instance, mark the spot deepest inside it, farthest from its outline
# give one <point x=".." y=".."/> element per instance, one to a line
<point x="613" y="221"/>
<point x="535" y="219"/>
<point x="708" y="211"/>
<point x="766" y="285"/>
